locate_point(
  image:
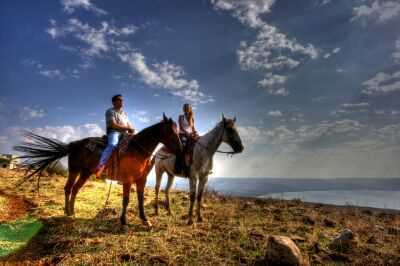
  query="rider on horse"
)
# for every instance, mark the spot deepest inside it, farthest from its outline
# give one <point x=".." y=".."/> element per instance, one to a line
<point x="188" y="136"/>
<point x="117" y="122"/>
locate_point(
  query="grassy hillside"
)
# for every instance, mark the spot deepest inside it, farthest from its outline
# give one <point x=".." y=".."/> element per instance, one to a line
<point x="234" y="230"/>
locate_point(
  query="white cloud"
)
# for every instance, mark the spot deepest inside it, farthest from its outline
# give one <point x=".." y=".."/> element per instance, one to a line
<point x="266" y="52"/>
<point x="336" y="50"/>
<point x="279" y="92"/>
<point x="382" y="83"/>
<point x="98" y="40"/>
<point x="327" y="55"/>
<point x="379" y="11"/>
<point x="51" y="73"/>
<point x="104" y="40"/>
<point x="272" y="83"/>
<point x="247" y="11"/>
<point x="355" y="105"/>
<point x="340" y="148"/>
<point x="275" y="113"/>
<point x="271" y="49"/>
<point x="166" y="75"/>
<point x="396" y="53"/>
<point x="325" y="2"/>
<point x="27" y="113"/>
<point x="351" y="108"/>
<point x="142" y="116"/>
<point x="316" y="134"/>
<point x="65" y="133"/>
<point x="70" y="6"/>
<point x="69" y="133"/>
<point x="271" y="80"/>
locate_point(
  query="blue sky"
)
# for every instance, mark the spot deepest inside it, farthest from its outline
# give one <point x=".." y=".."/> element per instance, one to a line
<point x="315" y="84"/>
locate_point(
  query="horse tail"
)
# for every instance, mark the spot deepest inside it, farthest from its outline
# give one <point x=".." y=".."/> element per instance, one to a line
<point x="38" y="153"/>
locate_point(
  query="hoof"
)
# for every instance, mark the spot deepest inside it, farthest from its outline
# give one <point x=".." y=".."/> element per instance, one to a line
<point x="148" y="225"/>
<point x="199" y="219"/>
<point x="190" y="222"/>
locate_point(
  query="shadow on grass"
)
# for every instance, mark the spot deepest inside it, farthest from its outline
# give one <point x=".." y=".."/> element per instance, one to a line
<point x="62" y="236"/>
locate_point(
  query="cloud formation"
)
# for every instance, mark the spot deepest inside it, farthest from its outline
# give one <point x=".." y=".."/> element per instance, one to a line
<point x="247" y="11"/>
<point x="379" y="11"/>
<point x="396" y="53"/>
<point x="272" y="50"/>
<point x="273" y="84"/>
<point x="69" y="6"/>
<point x="27" y="113"/>
<point x="382" y="83"/>
<point x="167" y="76"/>
<point x="105" y="40"/>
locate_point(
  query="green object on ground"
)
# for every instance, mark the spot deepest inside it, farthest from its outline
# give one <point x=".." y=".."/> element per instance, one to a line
<point x="16" y="234"/>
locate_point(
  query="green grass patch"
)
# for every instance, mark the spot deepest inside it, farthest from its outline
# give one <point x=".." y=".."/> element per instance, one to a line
<point x="16" y="234"/>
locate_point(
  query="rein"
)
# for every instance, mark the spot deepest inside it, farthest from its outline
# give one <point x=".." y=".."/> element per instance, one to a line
<point x="148" y="152"/>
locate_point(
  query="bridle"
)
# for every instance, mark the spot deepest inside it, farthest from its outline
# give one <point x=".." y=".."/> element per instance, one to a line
<point x="220" y="141"/>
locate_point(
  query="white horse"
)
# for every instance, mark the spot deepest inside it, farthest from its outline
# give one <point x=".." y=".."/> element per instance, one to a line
<point x="203" y="153"/>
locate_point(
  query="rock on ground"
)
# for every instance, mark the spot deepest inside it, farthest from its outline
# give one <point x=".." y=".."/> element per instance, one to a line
<point x="344" y="239"/>
<point x="281" y="250"/>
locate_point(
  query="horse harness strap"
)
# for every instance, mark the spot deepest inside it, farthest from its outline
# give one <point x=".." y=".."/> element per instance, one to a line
<point x="220" y="141"/>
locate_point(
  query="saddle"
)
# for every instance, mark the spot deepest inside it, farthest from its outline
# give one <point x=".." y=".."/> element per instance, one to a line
<point x="183" y="161"/>
<point x="99" y="144"/>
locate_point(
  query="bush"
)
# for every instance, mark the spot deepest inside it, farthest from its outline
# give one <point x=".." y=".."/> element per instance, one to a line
<point x="57" y="169"/>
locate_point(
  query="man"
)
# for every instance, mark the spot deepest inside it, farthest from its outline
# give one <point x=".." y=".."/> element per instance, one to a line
<point x="117" y="123"/>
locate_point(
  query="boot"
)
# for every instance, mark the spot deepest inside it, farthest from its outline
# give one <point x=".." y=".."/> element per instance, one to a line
<point x="99" y="171"/>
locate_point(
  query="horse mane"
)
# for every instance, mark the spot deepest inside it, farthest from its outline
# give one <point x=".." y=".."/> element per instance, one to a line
<point x="143" y="134"/>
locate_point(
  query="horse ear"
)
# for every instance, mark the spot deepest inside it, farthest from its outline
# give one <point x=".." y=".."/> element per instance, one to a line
<point x="165" y="117"/>
<point x="222" y="117"/>
<point x="234" y="119"/>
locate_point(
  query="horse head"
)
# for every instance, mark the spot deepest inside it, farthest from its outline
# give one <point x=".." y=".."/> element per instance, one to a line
<point x="231" y="134"/>
<point x="170" y="136"/>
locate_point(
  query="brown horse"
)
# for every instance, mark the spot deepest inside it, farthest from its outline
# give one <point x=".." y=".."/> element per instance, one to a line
<point x="134" y="164"/>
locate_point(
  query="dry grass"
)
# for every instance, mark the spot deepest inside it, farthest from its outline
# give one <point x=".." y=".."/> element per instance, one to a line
<point x="234" y="230"/>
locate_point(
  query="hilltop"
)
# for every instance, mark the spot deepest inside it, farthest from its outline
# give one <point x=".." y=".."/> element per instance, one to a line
<point x="234" y="231"/>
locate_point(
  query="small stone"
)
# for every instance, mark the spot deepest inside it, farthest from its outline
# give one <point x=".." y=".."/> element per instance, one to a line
<point x="281" y="250"/>
<point x="344" y="239"/>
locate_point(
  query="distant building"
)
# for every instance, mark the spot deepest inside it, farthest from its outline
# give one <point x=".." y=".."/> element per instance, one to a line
<point x="9" y="161"/>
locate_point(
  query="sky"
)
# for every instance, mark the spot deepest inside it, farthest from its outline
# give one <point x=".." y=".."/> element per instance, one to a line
<point x="314" y="84"/>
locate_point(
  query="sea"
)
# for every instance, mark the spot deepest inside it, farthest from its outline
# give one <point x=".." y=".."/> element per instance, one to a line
<point x="383" y="193"/>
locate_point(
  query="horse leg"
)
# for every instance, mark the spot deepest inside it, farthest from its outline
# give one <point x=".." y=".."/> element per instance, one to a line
<point x="167" y="189"/>
<point x="202" y="183"/>
<point x="125" y="201"/>
<point x="67" y="190"/>
<point x="140" y="195"/>
<point x="157" y="188"/>
<point x="192" y="185"/>
<point x="75" y="189"/>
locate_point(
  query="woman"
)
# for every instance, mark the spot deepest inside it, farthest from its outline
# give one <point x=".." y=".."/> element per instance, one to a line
<point x="188" y="135"/>
<point x="186" y="123"/>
